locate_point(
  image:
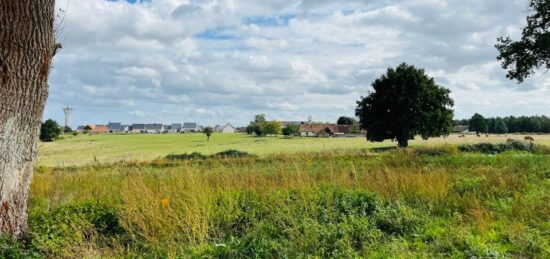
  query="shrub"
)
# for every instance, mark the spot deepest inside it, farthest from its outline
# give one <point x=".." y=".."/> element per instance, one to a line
<point x="445" y="150"/>
<point x="185" y="156"/>
<point x="49" y="130"/>
<point x="489" y="148"/>
<point x="232" y="153"/>
<point x="60" y="231"/>
<point x="11" y="248"/>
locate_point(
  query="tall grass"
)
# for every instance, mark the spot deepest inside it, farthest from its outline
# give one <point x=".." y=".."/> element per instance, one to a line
<point x="353" y="203"/>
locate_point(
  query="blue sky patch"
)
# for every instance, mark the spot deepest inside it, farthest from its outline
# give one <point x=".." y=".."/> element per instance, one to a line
<point x="280" y="20"/>
<point x="218" y="33"/>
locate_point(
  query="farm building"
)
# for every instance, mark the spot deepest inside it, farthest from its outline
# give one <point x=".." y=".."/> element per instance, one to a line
<point x="227" y="128"/>
<point x="324" y="130"/>
<point x="460" y="129"/>
<point x="98" y="129"/>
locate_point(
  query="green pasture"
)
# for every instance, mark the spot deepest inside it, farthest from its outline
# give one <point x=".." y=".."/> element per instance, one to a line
<point x="107" y="148"/>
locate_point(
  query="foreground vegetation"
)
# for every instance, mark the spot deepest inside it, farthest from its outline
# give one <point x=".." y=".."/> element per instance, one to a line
<point x="109" y="148"/>
<point x="421" y="202"/>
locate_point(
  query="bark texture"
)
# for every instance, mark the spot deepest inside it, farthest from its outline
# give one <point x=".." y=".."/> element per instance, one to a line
<point x="27" y="45"/>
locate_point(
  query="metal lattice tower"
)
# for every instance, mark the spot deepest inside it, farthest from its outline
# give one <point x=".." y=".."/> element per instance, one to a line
<point x="68" y="113"/>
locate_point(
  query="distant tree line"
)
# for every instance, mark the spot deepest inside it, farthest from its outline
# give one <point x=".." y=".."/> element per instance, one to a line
<point x="510" y="124"/>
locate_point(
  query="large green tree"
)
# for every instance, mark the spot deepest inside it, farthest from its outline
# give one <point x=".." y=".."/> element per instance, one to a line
<point x="478" y="124"/>
<point x="521" y="58"/>
<point x="405" y="102"/>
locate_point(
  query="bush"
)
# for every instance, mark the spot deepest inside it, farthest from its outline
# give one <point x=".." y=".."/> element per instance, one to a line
<point x="489" y="148"/>
<point x="11" y="248"/>
<point x="185" y="156"/>
<point x="49" y="130"/>
<point x="59" y="232"/>
<point x="232" y="153"/>
<point x="436" y="150"/>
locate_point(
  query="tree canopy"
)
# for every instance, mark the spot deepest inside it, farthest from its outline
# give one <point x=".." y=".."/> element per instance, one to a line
<point x="49" y="130"/>
<point x="478" y="124"/>
<point x="208" y="132"/>
<point x="405" y="102"/>
<point x="521" y="58"/>
<point x="343" y="120"/>
<point x="291" y="130"/>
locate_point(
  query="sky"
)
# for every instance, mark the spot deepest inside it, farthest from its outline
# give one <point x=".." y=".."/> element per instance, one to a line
<point x="220" y="61"/>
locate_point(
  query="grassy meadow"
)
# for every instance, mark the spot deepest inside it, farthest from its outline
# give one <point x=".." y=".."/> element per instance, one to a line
<point x="86" y="149"/>
<point x="289" y="198"/>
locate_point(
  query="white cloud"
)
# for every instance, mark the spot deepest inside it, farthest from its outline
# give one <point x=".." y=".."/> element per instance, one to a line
<point x="214" y="61"/>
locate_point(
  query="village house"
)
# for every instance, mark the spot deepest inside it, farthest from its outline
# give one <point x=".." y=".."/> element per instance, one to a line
<point x="227" y="128"/>
<point x="176" y="127"/>
<point x="98" y="129"/>
<point x="190" y="127"/>
<point x="153" y="128"/>
<point x="324" y="130"/>
<point x="138" y="128"/>
<point x="114" y="127"/>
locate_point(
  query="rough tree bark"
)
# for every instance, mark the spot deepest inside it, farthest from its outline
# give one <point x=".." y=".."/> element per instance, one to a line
<point x="27" y="45"/>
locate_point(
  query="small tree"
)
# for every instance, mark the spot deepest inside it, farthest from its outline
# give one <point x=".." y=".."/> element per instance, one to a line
<point x="478" y="124"/>
<point x="258" y="126"/>
<point x="522" y="58"/>
<point x="273" y="127"/>
<point x="67" y="129"/>
<point x="405" y="102"/>
<point x="208" y="132"/>
<point x="49" y="130"/>
<point x="291" y="130"/>
<point x="343" y="120"/>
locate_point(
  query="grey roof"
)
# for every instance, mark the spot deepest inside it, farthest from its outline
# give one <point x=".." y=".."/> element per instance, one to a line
<point x="114" y="125"/>
<point x="176" y="126"/>
<point x="286" y="123"/>
<point x="81" y="127"/>
<point x="167" y="127"/>
<point x="138" y="126"/>
<point x="153" y="126"/>
<point x="189" y="125"/>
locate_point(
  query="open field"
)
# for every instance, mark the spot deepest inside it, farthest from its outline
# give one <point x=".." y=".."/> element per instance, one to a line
<point x="85" y="149"/>
<point x="395" y="204"/>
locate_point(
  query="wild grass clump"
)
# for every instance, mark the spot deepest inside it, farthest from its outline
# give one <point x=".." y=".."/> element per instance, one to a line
<point x="185" y="156"/>
<point x="230" y="153"/>
<point x="426" y="203"/>
<point x="509" y="145"/>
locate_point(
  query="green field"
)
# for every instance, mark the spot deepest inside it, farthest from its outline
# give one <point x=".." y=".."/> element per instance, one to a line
<point x="85" y="149"/>
<point x="415" y="203"/>
<point x="118" y="196"/>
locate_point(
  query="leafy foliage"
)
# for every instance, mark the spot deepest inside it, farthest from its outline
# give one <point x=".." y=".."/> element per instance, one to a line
<point x="511" y="124"/>
<point x="478" y="124"/>
<point x="208" y="132"/>
<point x="49" y="130"/>
<point x="522" y="57"/>
<point x="261" y="127"/>
<point x="343" y="120"/>
<point x="405" y="102"/>
<point x="291" y="130"/>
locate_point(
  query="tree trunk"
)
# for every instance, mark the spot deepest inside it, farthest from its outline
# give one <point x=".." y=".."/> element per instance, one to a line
<point x="403" y="142"/>
<point x="27" y="45"/>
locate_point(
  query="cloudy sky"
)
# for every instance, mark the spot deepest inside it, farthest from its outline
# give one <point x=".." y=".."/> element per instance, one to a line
<point x="217" y="61"/>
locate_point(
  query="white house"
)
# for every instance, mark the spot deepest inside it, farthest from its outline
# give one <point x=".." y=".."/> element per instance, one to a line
<point x="227" y="128"/>
<point x="190" y="127"/>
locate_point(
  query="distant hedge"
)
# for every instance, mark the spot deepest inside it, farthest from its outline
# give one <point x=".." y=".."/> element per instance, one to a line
<point x="230" y="153"/>
<point x="509" y="145"/>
